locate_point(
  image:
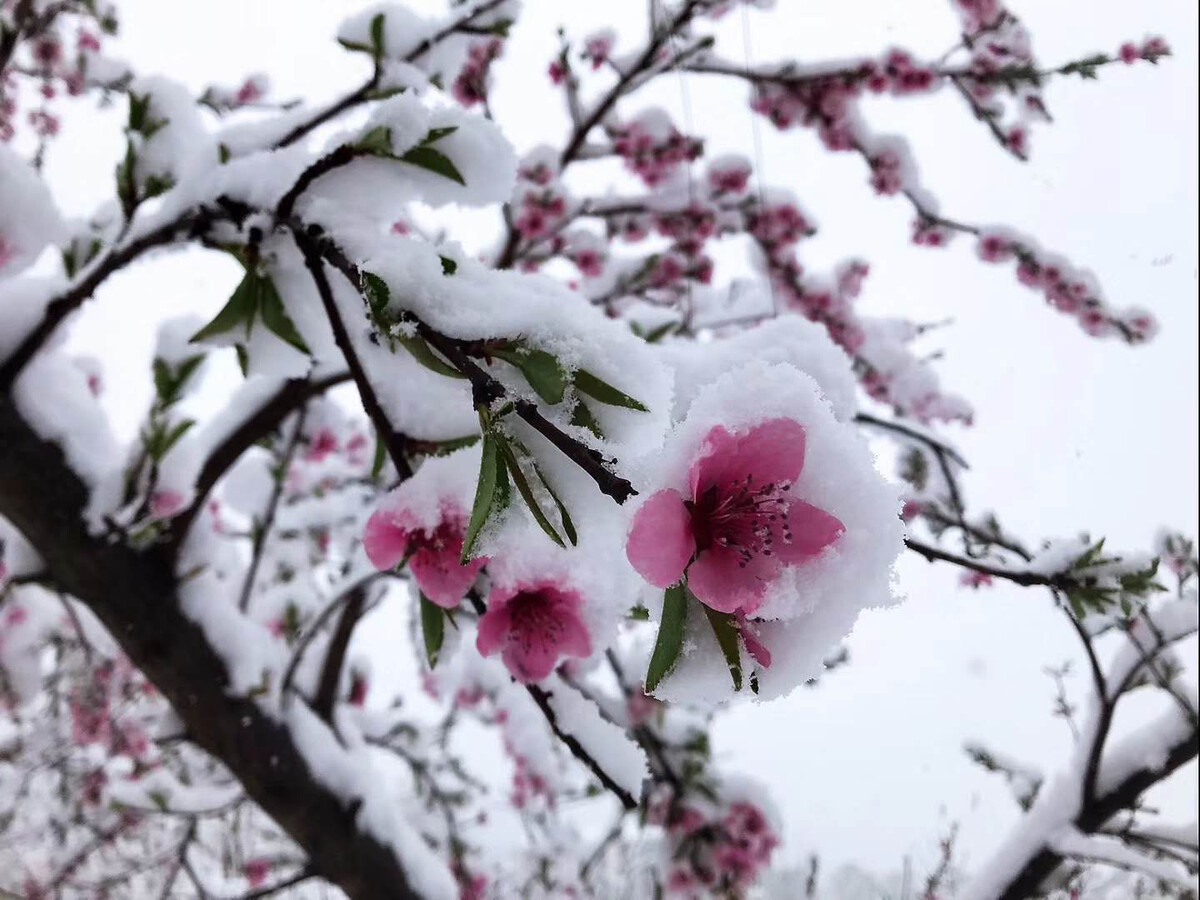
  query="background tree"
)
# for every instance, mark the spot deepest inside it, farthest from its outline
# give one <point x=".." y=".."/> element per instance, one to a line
<point x="634" y="477"/>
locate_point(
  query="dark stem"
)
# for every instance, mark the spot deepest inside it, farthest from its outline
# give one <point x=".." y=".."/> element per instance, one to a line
<point x="335" y="657"/>
<point x="263" y="529"/>
<point x="394" y="441"/>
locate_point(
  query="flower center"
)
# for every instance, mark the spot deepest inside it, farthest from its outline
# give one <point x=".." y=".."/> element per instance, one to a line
<point x="742" y="516"/>
<point x="535" y="620"/>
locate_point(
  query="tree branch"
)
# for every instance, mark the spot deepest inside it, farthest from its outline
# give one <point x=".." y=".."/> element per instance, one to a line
<point x="133" y="592"/>
<point x="331" y="672"/>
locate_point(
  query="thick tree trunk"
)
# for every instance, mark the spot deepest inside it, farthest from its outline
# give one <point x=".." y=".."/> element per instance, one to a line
<point x="134" y="594"/>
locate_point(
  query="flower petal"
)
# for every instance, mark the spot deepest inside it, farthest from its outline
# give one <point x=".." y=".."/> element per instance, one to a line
<point x="385" y="540"/>
<point x="494" y="627"/>
<point x="813" y="530"/>
<point x="719" y="580"/>
<point x="661" y="542"/>
<point x="440" y="575"/>
<point x="770" y="452"/>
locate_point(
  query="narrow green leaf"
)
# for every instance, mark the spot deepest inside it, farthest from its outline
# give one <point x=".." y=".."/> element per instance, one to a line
<point x="423" y="353"/>
<point x="582" y="416"/>
<point x="518" y="477"/>
<point x="275" y="316"/>
<point x="449" y="266"/>
<point x="224" y="154"/>
<point x="563" y="515"/>
<point x="239" y="310"/>
<point x="377" y="141"/>
<point x="601" y="390"/>
<point x="243" y="359"/>
<point x="433" y="629"/>
<point x="670" y="636"/>
<point x="164" y="381"/>
<point x="725" y="627"/>
<point x="380" y="457"/>
<point x="172" y="437"/>
<point x="657" y="334"/>
<point x="541" y="370"/>
<point x="377" y="46"/>
<point x="487" y="494"/>
<point x="433" y="161"/>
<point x="436" y="134"/>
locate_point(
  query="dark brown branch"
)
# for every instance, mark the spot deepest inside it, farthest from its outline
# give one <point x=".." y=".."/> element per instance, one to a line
<point x="367" y="91"/>
<point x="342" y="156"/>
<point x="335" y="657"/>
<point x="262" y="529"/>
<point x="134" y="593"/>
<point x="486" y="389"/>
<point x="1028" y="882"/>
<point x="10" y="37"/>
<point x="394" y="441"/>
<point x="1022" y="577"/>
<point x="303" y="875"/>
<point x="62" y="306"/>
<point x="293" y="394"/>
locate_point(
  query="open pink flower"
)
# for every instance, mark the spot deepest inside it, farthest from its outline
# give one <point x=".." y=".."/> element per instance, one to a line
<point x="256" y="871"/>
<point x="532" y="626"/>
<point x="742" y="523"/>
<point x="433" y="554"/>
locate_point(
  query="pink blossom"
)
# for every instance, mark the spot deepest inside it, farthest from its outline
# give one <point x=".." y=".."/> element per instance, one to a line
<point x="393" y="535"/>
<point x="731" y="177"/>
<point x="321" y="444"/>
<point x="993" y="248"/>
<point x="590" y="262"/>
<point x="532" y="626"/>
<point x="1017" y="140"/>
<point x="597" y="47"/>
<point x="358" y="690"/>
<point x="911" y="509"/>
<point x="742" y="523"/>
<point x="89" y="41"/>
<point x="1129" y="53"/>
<point x="256" y="871"/>
<point x="16" y="614"/>
<point x="8" y="252"/>
<point x="975" y="580"/>
<point x="557" y="72"/>
<point x="166" y="503"/>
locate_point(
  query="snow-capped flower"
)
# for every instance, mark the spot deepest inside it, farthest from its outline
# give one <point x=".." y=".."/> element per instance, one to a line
<point x="166" y="503"/>
<point x="742" y="523"/>
<point x="394" y="534"/>
<point x="532" y="626"/>
<point x="256" y="871"/>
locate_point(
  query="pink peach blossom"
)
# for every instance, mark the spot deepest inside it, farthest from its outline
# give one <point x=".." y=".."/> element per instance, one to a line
<point x="434" y="554"/>
<point x="742" y="523"/>
<point x="532" y="626"/>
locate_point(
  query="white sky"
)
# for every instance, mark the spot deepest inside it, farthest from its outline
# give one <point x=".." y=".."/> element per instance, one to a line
<point x="1071" y="433"/>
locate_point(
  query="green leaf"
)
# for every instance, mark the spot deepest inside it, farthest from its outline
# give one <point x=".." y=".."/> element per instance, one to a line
<point x="139" y="111"/>
<point x="377" y="141"/>
<point x="670" y="636"/>
<point x="377" y="46"/>
<point x="433" y="161"/>
<point x="639" y="613"/>
<point x="449" y="266"/>
<point x="126" y="183"/>
<point x="582" y="416"/>
<point x="157" y="185"/>
<point x="423" y="353"/>
<point x="433" y="628"/>
<point x="540" y="369"/>
<point x="224" y="154"/>
<point x="725" y="627"/>
<point x="601" y="390"/>
<point x="380" y="457"/>
<point x="171" y="438"/>
<point x="243" y="359"/>
<point x="657" y="334"/>
<point x="563" y="515"/>
<point x="436" y="134"/>
<point x="518" y="476"/>
<point x="275" y="316"/>
<point x="491" y="494"/>
<point x="239" y="310"/>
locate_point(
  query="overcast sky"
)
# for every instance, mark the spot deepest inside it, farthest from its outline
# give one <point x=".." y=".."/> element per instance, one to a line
<point x="1071" y="433"/>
